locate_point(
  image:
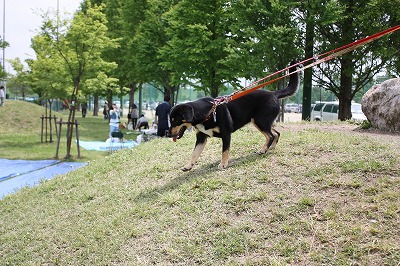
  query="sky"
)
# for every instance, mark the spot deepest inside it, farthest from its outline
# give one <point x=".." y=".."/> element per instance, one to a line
<point x="22" y="21"/>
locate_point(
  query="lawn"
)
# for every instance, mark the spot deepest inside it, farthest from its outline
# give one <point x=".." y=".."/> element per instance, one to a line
<point x="22" y="138"/>
<point x="329" y="194"/>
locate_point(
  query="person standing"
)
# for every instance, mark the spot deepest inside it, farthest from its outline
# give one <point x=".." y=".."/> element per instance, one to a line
<point x="134" y="115"/>
<point x="114" y="118"/>
<point x="2" y="96"/>
<point x="105" y="111"/>
<point x="84" y="109"/>
<point x="161" y="119"/>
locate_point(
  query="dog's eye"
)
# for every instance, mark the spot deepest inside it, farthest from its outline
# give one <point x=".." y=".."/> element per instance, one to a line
<point x="173" y="119"/>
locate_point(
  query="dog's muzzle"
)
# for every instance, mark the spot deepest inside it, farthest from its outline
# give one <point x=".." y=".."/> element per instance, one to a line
<point x="179" y="134"/>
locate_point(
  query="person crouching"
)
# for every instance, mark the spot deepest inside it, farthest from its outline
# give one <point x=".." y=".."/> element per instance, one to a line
<point x="142" y="122"/>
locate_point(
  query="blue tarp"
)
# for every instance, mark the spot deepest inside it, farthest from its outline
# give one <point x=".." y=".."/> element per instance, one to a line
<point x="16" y="174"/>
<point x="106" y="146"/>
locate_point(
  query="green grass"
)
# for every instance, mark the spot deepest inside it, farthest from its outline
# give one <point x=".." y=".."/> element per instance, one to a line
<point x="324" y="196"/>
<point x="21" y="133"/>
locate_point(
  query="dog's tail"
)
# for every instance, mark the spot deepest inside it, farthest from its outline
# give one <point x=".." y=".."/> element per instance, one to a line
<point x="293" y="83"/>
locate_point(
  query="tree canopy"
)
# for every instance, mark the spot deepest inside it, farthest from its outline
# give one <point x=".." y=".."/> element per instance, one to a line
<point x="213" y="44"/>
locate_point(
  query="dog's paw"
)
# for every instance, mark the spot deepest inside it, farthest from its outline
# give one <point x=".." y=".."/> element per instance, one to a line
<point x="261" y="152"/>
<point x="222" y="166"/>
<point x="187" y="168"/>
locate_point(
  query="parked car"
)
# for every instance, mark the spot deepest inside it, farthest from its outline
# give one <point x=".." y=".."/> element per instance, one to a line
<point x="357" y="113"/>
<point x="292" y="108"/>
<point x="328" y="111"/>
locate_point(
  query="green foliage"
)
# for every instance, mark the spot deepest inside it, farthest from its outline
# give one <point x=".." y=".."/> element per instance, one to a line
<point x="3" y="45"/>
<point x="77" y="45"/>
<point x="214" y="43"/>
<point x="210" y="45"/>
<point x="132" y="19"/>
<point x="354" y="20"/>
<point x="48" y="76"/>
<point x="151" y="37"/>
<point x="196" y="47"/>
<point x="19" y="83"/>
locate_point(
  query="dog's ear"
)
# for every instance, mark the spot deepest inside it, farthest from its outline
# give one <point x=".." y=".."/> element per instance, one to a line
<point x="188" y="113"/>
<point x="185" y="110"/>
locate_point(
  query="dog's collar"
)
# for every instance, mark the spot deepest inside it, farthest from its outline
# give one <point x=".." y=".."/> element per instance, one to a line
<point x="213" y="112"/>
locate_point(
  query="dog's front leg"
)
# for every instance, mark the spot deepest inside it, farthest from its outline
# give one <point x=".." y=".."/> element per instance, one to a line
<point x="226" y="143"/>
<point x="201" y="140"/>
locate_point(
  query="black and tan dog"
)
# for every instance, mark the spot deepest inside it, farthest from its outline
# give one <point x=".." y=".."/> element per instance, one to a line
<point x="260" y="107"/>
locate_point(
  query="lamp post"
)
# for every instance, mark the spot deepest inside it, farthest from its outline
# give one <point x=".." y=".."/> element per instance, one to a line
<point x="4" y="48"/>
<point x="58" y="13"/>
<point x="4" y="31"/>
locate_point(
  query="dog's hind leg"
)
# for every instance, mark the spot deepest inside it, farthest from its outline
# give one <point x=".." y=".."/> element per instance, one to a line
<point x="270" y="138"/>
<point x="201" y="140"/>
<point x="276" y="138"/>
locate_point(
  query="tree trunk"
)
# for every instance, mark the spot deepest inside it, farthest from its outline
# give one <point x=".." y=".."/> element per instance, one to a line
<point x="96" y="105"/>
<point x="172" y="91"/>
<point x="307" y="82"/>
<point x="71" y="121"/>
<point x="346" y="65"/>
<point x="132" y="94"/>
<point x="213" y="84"/>
<point x="345" y="95"/>
<point x="281" y="116"/>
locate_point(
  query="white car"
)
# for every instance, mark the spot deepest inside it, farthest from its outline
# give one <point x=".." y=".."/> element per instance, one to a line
<point x="292" y="108"/>
<point x="357" y="113"/>
<point x="328" y="111"/>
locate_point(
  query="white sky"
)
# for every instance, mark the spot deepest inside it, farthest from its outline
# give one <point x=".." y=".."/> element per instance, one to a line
<point x="22" y="21"/>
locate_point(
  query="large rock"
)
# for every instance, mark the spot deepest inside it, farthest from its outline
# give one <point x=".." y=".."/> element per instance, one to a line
<point x="381" y="105"/>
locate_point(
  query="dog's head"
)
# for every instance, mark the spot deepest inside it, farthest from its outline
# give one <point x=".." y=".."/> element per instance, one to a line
<point x="181" y="118"/>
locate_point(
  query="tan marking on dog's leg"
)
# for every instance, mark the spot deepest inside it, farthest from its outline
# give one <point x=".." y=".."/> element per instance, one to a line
<point x="224" y="160"/>
<point x="276" y="135"/>
<point x="265" y="146"/>
<point x="195" y="155"/>
<point x="267" y="139"/>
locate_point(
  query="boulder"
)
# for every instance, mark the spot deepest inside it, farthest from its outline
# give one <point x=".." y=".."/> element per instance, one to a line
<point x="381" y="105"/>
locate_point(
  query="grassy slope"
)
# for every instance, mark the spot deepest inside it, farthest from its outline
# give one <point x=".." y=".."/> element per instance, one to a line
<point x="322" y="197"/>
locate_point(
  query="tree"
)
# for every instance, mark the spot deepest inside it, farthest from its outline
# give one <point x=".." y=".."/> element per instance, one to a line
<point x="114" y="11"/>
<point x="20" y="81"/>
<point x="80" y="43"/>
<point x="308" y="14"/>
<point x="392" y="18"/>
<point x="102" y="84"/>
<point x="212" y="43"/>
<point x="149" y="40"/>
<point x="197" y="45"/>
<point x="124" y="18"/>
<point x="3" y="45"/>
<point x="49" y="78"/>
<point x="263" y="39"/>
<point x="347" y="75"/>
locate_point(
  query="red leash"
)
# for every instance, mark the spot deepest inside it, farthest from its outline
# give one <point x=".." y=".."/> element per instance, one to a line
<point x="317" y="60"/>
